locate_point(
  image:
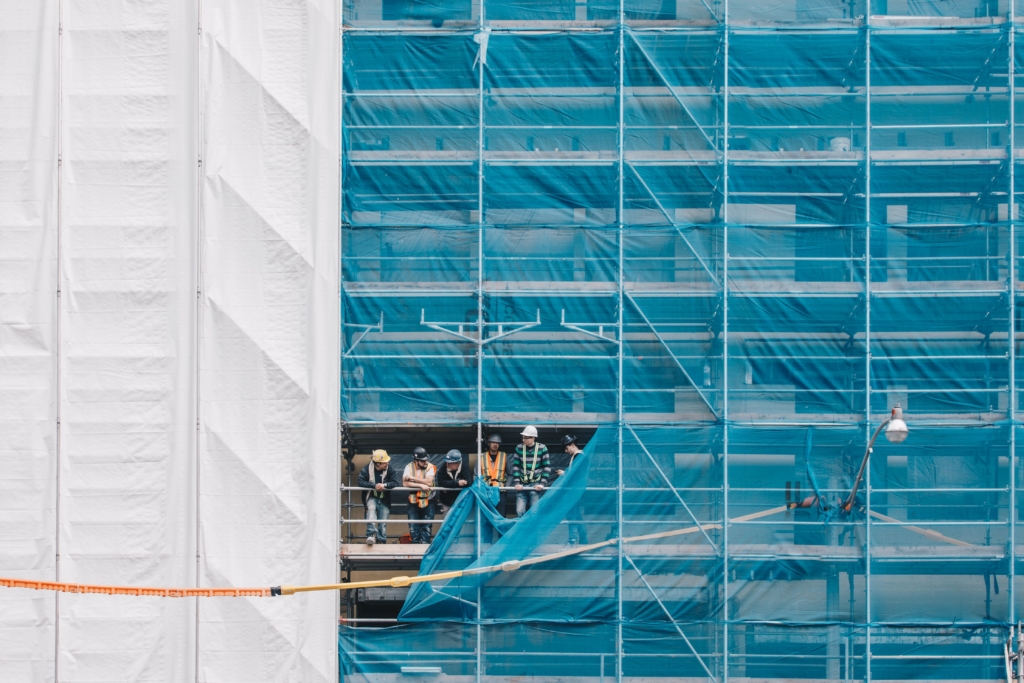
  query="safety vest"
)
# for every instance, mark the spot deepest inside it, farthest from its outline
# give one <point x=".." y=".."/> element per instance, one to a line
<point x="494" y="471"/>
<point x="530" y="475"/>
<point x="422" y="498"/>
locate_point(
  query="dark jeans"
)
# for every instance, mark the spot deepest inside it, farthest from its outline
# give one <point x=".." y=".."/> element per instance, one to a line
<point x="420" y="533"/>
<point x="577" y="531"/>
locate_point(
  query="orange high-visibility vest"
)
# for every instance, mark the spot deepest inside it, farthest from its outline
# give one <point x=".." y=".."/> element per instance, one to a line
<point x="495" y="475"/>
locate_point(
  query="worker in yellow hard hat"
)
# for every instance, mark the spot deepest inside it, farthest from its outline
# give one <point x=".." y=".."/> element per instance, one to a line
<point x="377" y="478"/>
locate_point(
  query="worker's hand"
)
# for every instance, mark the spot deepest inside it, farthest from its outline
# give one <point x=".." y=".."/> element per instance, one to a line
<point x="559" y="472"/>
<point x="539" y="487"/>
<point x="519" y="487"/>
<point x="462" y="482"/>
<point x="379" y="487"/>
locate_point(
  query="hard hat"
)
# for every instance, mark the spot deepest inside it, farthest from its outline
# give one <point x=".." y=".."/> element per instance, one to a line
<point x="419" y="453"/>
<point x="381" y="455"/>
<point x="494" y="438"/>
<point x="453" y="456"/>
<point x="529" y="431"/>
<point x="567" y="439"/>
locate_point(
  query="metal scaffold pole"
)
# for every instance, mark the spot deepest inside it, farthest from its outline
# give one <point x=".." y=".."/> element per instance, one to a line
<point x="481" y="59"/>
<point x="867" y="342"/>
<point x="620" y="408"/>
<point x="1011" y="408"/>
<point x="724" y="650"/>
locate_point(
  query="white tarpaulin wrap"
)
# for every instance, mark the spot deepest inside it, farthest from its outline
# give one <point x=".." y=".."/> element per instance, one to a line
<point x="128" y="359"/>
<point x="192" y="356"/>
<point x="270" y="358"/>
<point x="28" y="347"/>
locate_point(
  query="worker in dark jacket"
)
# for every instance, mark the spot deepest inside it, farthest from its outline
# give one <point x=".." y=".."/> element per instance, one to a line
<point x="378" y="478"/>
<point x="577" y="531"/>
<point x="452" y="479"/>
<point x="531" y="468"/>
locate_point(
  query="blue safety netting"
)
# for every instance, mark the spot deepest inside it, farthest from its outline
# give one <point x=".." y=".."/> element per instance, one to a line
<point x="735" y="235"/>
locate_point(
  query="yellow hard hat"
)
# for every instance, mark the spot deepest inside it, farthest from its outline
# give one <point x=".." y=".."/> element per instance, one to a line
<point x="381" y="455"/>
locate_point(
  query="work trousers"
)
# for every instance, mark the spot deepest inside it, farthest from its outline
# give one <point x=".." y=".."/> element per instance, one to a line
<point x="521" y="500"/>
<point x="377" y="510"/>
<point x="421" y="533"/>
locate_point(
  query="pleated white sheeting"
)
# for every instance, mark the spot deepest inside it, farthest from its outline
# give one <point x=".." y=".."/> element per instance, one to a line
<point x="193" y="356"/>
<point x="28" y="337"/>
<point x="129" y="238"/>
<point x="270" y="355"/>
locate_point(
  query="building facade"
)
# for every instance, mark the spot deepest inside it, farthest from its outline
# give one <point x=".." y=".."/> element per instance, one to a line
<point x="730" y="236"/>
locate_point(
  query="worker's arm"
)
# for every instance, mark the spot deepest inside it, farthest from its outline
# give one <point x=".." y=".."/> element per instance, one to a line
<point x="415" y="482"/>
<point x="515" y="471"/>
<point x="545" y="473"/>
<point x="364" y="478"/>
<point x="445" y="481"/>
<point x="391" y="481"/>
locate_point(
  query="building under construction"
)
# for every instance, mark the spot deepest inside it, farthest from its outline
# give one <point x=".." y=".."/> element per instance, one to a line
<point x="244" y="244"/>
<point x="719" y="241"/>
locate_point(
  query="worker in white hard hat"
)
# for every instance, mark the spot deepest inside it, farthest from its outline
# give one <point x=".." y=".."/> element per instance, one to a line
<point x="531" y="469"/>
<point x="377" y="478"/>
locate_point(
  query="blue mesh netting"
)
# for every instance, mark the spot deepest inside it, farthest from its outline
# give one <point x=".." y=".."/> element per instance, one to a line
<point x="735" y="235"/>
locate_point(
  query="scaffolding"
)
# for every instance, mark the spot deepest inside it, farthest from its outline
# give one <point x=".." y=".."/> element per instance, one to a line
<point x="733" y="234"/>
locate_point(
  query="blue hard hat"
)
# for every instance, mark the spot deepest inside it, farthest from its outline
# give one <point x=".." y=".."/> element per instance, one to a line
<point x="454" y="455"/>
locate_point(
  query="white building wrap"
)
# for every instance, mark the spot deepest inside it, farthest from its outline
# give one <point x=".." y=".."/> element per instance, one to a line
<point x="169" y="327"/>
<point x="28" y="334"/>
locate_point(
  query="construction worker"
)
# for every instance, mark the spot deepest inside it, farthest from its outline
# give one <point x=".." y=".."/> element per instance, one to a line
<point x="494" y="468"/>
<point x="452" y="478"/>
<point x="577" y="532"/>
<point x="531" y="467"/>
<point x="420" y="475"/>
<point x="378" y="477"/>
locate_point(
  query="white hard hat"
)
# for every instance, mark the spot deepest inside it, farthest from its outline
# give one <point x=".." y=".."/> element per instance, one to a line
<point x="529" y="431"/>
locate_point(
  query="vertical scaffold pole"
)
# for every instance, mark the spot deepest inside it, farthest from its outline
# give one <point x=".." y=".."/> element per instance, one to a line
<point x="1011" y="408"/>
<point x="479" y="322"/>
<point x="867" y="341"/>
<point x="725" y="343"/>
<point x="622" y="304"/>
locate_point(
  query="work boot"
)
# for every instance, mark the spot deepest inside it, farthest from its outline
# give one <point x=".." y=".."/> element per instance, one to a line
<point x="370" y="540"/>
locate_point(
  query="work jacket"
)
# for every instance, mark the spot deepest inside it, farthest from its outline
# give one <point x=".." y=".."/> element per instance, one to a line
<point x="449" y="481"/>
<point x="369" y="477"/>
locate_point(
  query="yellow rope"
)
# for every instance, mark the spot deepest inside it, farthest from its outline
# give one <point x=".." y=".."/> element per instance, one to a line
<point x="401" y="581"/>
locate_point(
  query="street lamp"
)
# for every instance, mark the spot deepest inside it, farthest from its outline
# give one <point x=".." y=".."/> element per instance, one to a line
<point x="895" y="431"/>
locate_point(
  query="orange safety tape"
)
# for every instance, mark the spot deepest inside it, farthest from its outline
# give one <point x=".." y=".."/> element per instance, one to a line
<point x="129" y="590"/>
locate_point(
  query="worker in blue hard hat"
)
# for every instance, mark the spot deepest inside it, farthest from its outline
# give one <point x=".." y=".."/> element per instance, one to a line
<point x="452" y="479"/>
<point x="420" y="475"/>
<point x="377" y="478"/>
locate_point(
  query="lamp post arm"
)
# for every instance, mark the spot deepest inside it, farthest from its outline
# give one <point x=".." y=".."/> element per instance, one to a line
<point x="848" y="504"/>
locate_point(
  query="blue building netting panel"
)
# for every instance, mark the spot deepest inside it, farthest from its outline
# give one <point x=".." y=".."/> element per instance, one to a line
<point x="734" y="234"/>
